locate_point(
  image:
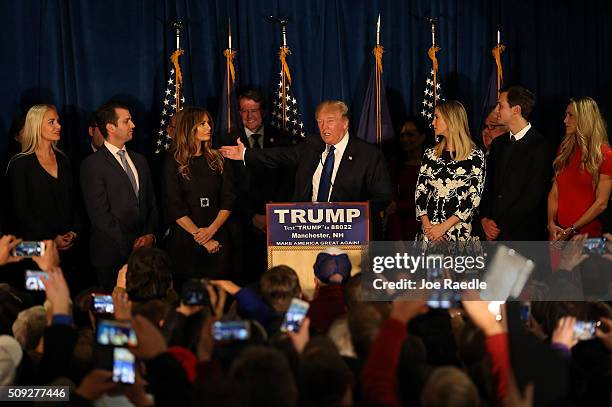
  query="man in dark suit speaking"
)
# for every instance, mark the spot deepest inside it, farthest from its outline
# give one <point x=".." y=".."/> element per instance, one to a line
<point x="118" y="194"/>
<point x="331" y="168"/>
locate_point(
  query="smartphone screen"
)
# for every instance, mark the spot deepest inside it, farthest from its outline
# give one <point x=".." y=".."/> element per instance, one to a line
<point x="123" y="366"/>
<point x="585" y="330"/>
<point x="444" y="299"/>
<point x="34" y="280"/>
<point x="29" y="249"/>
<point x="194" y="298"/>
<point x="114" y="333"/>
<point x="195" y="293"/>
<point x="525" y="311"/>
<point x="232" y="330"/>
<point x="102" y="304"/>
<point x="595" y="245"/>
<point x="295" y="315"/>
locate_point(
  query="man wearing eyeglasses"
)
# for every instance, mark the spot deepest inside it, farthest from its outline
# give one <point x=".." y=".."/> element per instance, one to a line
<point x="492" y="130"/>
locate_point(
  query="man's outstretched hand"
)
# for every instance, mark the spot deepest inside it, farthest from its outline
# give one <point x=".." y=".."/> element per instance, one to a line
<point x="233" y="152"/>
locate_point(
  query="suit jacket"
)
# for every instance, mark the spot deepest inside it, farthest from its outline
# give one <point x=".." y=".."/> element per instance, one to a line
<point x="259" y="185"/>
<point x="518" y="180"/>
<point x="117" y="216"/>
<point x="362" y="174"/>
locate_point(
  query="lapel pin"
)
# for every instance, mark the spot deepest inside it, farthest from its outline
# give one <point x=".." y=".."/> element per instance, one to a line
<point x="350" y="158"/>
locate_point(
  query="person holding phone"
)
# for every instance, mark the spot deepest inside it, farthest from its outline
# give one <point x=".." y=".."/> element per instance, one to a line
<point x="41" y="183"/>
<point x="451" y="178"/>
<point x="198" y="196"/>
<point x="583" y="173"/>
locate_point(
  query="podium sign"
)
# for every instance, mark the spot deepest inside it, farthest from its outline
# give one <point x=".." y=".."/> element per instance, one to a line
<point x="297" y="232"/>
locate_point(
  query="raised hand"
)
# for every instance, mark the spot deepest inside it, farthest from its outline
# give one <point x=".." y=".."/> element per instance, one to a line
<point x="7" y="244"/>
<point x="233" y="152"/>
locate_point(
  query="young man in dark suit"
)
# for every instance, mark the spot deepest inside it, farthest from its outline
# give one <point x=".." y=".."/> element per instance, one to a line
<point x="331" y="168"/>
<point x="519" y="173"/>
<point x="118" y="194"/>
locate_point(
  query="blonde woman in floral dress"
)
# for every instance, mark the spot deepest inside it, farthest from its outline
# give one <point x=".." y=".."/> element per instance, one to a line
<point x="451" y="178"/>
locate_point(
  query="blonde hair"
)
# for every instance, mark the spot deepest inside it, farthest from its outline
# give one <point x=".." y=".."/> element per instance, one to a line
<point x="184" y="141"/>
<point x="454" y="115"/>
<point x="31" y="137"/>
<point x="590" y="135"/>
<point x="338" y="105"/>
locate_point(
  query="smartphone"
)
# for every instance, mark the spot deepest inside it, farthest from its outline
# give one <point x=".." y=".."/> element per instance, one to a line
<point x="295" y="315"/>
<point x="445" y="299"/>
<point x="585" y="330"/>
<point x="29" y="249"/>
<point x="124" y="366"/>
<point x="596" y="245"/>
<point x="115" y="333"/>
<point x="525" y="311"/>
<point x="232" y="330"/>
<point x="195" y="293"/>
<point x="102" y="303"/>
<point x="34" y="280"/>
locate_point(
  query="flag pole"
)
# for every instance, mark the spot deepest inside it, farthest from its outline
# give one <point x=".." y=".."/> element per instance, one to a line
<point x="283" y="54"/>
<point x="178" y="26"/>
<point x="229" y="68"/>
<point x="285" y="74"/>
<point x="497" y="50"/>
<point x="378" y="51"/>
<point x="434" y="61"/>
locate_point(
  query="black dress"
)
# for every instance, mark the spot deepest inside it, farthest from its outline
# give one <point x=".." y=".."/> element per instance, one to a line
<point x="200" y="197"/>
<point x="43" y="206"/>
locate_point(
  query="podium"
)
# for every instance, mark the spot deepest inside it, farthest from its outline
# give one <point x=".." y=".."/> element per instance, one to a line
<point x="297" y="232"/>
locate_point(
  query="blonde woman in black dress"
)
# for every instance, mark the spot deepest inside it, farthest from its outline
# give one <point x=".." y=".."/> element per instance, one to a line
<point x="198" y="196"/>
<point x="451" y="178"/>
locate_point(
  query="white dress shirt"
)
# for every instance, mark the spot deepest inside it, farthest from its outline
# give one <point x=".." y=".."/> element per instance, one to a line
<point x="521" y="133"/>
<point x="251" y="140"/>
<point x="113" y="149"/>
<point x="338" y="153"/>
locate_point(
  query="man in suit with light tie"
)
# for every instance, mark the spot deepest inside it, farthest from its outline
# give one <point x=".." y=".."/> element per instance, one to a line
<point x="519" y="173"/>
<point x="118" y="194"/>
<point x="331" y="168"/>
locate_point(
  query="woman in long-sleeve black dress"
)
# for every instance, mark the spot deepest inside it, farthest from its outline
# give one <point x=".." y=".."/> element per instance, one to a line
<point x="42" y="187"/>
<point x="198" y="195"/>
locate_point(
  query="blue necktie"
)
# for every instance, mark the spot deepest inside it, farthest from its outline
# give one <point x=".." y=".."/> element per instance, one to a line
<point x="326" y="176"/>
<point x="128" y="171"/>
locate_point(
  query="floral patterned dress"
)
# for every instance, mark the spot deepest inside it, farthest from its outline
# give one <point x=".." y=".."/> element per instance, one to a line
<point x="447" y="187"/>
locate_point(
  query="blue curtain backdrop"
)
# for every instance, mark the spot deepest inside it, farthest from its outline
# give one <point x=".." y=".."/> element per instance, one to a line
<point x="77" y="54"/>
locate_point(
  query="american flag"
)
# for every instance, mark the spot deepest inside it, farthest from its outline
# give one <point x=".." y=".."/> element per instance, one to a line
<point x="429" y="101"/>
<point x="293" y="124"/>
<point x="164" y="141"/>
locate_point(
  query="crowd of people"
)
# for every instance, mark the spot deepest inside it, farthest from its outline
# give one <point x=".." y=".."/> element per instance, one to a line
<point x="179" y="248"/>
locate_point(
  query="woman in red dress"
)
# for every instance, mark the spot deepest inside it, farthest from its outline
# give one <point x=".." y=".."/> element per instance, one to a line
<point x="583" y="173"/>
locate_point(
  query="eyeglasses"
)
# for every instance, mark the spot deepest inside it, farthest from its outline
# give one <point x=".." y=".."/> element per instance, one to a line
<point x="492" y="127"/>
<point x="252" y="111"/>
